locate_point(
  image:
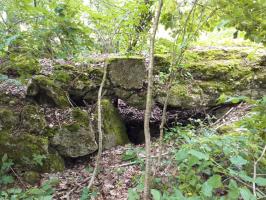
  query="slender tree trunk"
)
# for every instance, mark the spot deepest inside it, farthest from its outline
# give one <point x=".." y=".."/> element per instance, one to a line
<point x="163" y="123"/>
<point x="149" y="103"/>
<point x="99" y="125"/>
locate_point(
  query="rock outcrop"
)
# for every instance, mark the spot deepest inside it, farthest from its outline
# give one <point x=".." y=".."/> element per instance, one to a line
<point x="55" y="116"/>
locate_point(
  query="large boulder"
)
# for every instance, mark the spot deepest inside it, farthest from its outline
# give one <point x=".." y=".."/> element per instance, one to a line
<point x="74" y="141"/>
<point x="127" y="73"/>
<point x="77" y="138"/>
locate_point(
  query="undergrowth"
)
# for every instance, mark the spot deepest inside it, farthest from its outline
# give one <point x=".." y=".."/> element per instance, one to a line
<point x="207" y="165"/>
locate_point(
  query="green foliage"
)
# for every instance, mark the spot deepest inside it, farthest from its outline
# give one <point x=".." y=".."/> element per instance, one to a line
<point x="209" y="164"/>
<point x="224" y="99"/>
<point x="47" y="28"/>
<point x="244" y="15"/>
<point x="5" y="178"/>
<point x="39" y="159"/>
<point x="133" y="194"/>
<point x="256" y="123"/>
<point x="129" y="155"/>
<point x="43" y="193"/>
<point x="156" y="194"/>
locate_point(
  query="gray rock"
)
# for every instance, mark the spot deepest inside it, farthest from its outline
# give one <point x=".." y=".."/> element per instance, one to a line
<point x="74" y="141"/>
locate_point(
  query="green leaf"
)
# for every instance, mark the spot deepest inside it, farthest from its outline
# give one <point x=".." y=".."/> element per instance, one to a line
<point x="48" y="197"/>
<point x="199" y="155"/>
<point x="129" y="155"/>
<point x="178" y="195"/>
<point x="246" y="194"/>
<point x="233" y="192"/>
<point x="133" y="194"/>
<point x="238" y="160"/>
<point x="215" y="181"/>
<point x="156" y="194"/>
<point x="181" y="155"/>
<point x="206" y="189"/>
<point x="6" y="179"/>
<point x="15" y="190"/>
<point x="85" y="194"/>
<point x="261" y="181"/>
<point x="212" y="183"/>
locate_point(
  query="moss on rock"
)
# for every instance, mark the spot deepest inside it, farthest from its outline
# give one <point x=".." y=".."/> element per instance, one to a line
<point x="33" y="119"/>
<point x="22" y="149"/>
<point x="80" y="116"/>
<point x="128" y="73"/>
<point x="45" y="91"/>
<point x="183" y="96"/>
<point x="7" y="119"/>
<point x="113" y="127"/>
<point x="53" y="163"/>
<point x="31" y="177"/>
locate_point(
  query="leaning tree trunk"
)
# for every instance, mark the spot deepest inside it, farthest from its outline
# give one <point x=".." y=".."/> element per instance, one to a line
<point x="99" y="125"/>
<point x="149" y="103"/>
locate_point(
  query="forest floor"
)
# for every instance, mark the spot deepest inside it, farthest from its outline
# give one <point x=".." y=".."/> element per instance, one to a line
<point x="121" y="167"/>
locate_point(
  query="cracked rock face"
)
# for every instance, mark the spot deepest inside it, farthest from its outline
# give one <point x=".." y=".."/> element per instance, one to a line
<point x="71" y="142"/>
<point x="127" y="73"/>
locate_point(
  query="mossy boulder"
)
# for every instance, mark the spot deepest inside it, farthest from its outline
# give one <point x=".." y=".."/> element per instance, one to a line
<point x="74" y="141"/>
<point x="24" y="150"/>
<point x="53" y="163"/>
<point x="8" y="119"/>
<point x="184" y="96"/>
<point x="31" y="177"/>
<point x="127" y="73"/>
<point x="218" y="70"/>
<point x="210" y="72"/>
<point x="45" y="91"/>
<point x="33" y="119"/>
<point x="113" y="127"/>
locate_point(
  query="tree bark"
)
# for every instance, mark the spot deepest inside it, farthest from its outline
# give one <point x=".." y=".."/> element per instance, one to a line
<point x="99" y="124"/>
<point x="149" y="103"/>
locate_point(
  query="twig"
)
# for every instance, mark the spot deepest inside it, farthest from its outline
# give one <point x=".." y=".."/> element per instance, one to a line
<point x="224" y="116"/>
<point x="18" y="177"/>
<point x="69" y="100"/>
<point x="255" y="171"/>
<point x="125" y="164"/>
<point x="156" y="156"/>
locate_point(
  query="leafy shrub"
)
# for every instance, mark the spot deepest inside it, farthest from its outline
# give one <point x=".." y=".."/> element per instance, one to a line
<point x="44" y="192"/>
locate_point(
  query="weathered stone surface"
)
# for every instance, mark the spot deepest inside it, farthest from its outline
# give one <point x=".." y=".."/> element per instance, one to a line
<point x="45" y="91"/>
<point x="74" y="141"/>
<point x="210" y="73"/>
<point x="207" y="73"/>
<point x="32" y="119"/>
<point x="184" y="96"/>
<point x="127" y="73"/>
